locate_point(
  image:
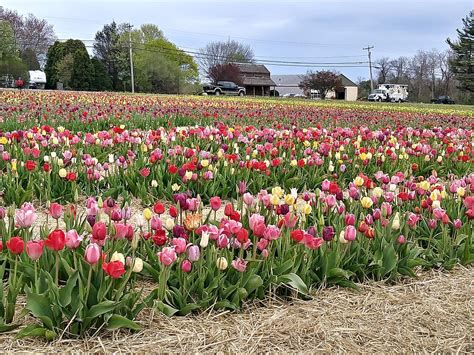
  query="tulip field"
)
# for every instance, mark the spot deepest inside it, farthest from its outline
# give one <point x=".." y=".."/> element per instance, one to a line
<point x="216" y="202"/>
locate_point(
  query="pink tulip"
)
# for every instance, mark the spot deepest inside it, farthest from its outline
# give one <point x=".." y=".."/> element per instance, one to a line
<point x="386" y="209"/>
<point x="193" y="253"/>
<point x="432" y="224"/>
<point x="34" y="249"/>
<point x="92" y="253"/>
<point x="439" y="213"/>
<point x="121" y="230"/>
<point x="290" y="220"/>
<point x="186" y="266"/>
<point x="457" y="224"/>
<point x="311" y="242"/>
<point x="412" y="219"/>
<point x="262" y="244"/>
<point x="215" y="203"/>
<point x="271" y="232"/>
<point x="26" y="216"/>
<point x="248" y="199"/>
<point x="350" y="233"/>
<point x="222" y="241"/>
<point x="349" y="219"/>
<point x="55" y="209"/>
<point x="73" y="239"/>
<point x="257" y="224"/>
<point x="156" y="223"/>
<point x="239" y="264"/>
<point x="179" y="245"/>
<point x="167" y="256"/>
<point x="401" y="239"/>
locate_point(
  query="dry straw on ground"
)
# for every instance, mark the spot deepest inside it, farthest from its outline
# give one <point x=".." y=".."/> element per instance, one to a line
<point x="434" y="313"/>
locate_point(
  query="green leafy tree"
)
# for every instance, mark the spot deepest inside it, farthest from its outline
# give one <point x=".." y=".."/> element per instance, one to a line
<point x="11" y="65"/>
<point x="160" y="66"/>
<point x="64" y="70"/>
<point x="54" y="56"/>
<point x="30" y="59"/>
<point x="462" y="60"/>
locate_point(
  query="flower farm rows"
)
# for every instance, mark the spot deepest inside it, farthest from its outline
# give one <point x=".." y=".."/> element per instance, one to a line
<point x="239" y="199"/>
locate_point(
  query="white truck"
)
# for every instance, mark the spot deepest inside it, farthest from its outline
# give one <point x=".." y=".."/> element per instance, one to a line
<point x="389" y="93"/>
<point x="37" y="79"/>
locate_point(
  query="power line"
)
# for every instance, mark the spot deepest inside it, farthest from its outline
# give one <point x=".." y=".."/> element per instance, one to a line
<point x="368" y="48"/>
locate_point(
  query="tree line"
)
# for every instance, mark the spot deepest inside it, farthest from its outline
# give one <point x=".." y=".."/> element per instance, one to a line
<point x="29" y="43"/>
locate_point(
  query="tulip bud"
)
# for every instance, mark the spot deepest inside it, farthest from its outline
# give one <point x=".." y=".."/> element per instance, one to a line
<point x="92" y="253"/>
<point x="147" y="214"/>
<point x="396" y="221"/>
<point x="116" y="256"/>
<point x="222" y="263"/>
<point x="186" y="266"/>
<point x="204" y="240"/>
<point x="401" y="239"/>
<point x="134" y="243"/>
<point x="137" y="265"/>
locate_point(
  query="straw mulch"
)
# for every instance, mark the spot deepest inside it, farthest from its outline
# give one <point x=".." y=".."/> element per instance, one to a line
<point x="433" y="313"/>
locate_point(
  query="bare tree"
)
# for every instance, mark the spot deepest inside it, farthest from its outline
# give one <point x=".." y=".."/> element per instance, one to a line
<point x="446" y="74"/>
<point x="399" y="73"/>
<point x="221" y="53"/>
<point x="384" y="67"/>
<point x="30" y="32"/>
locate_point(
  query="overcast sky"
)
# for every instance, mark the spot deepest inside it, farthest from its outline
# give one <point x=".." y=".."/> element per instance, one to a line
<point x="308" y="31"/>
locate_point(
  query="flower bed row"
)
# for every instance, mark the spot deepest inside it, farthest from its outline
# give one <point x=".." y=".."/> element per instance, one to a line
<point x="82" y="271"/>
<point x="54" y="164"/>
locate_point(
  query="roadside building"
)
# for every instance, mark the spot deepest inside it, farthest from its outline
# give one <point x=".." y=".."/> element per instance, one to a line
<point x="256" y="79"/>
<point x="289" y="85"/>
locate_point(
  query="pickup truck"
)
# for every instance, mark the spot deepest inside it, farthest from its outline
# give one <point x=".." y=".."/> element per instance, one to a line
<point x="446" y="100"/>
<point x="224" y="88"/>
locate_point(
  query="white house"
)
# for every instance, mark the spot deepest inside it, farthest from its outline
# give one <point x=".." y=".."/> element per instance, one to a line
<point x="289" y="84"/>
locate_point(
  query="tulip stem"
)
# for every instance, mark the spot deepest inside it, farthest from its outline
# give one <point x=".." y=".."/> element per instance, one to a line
<point x="57" y="268"/>
<point x="89" y="277"/>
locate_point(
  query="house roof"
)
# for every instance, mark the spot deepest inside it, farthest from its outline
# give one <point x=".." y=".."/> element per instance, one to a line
<point x="294" y="80"/>
<point x="257" y="81"/>
<point x="252" y="68"/>
<point x="346" y="81"/>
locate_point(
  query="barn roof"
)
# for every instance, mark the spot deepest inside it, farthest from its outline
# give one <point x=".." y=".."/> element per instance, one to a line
<point x="252" y="68"/>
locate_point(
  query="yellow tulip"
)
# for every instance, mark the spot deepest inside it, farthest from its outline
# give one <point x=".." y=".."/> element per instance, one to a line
<point x="366" y="202"/>
<point x="147" y="214"/>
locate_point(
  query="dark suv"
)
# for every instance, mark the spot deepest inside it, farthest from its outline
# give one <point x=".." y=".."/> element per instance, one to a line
<point x="224" y="88"/>
<point x="443" y="100"/>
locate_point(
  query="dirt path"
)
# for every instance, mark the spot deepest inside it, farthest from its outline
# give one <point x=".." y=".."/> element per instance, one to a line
<point x="434" y="313"/>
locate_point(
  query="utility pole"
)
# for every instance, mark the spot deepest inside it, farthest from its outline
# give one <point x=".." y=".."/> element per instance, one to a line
<point x="131" y="57"/>
<point x="368" y="48"/>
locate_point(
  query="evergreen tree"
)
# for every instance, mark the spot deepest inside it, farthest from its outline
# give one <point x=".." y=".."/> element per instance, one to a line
<point x="100" y="79"/>
<point x="462" y="61"/>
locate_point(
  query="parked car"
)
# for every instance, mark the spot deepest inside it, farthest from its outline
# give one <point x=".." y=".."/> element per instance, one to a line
<point x="224" y="88"/>
<point x="443" y="100"/>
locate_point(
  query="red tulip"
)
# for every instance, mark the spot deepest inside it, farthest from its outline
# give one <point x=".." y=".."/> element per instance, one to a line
<point x="99" y="231"/>
<point x="15" y="245"/>
<point x="56" y="240"/>
<point x="30" y="165"/>
<point x="158" y="208"/>
<point x="297" y="235"/>
<point x="114" y="269"/>
<point x="243" y="236"/>
<point x="173" y="212"/>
